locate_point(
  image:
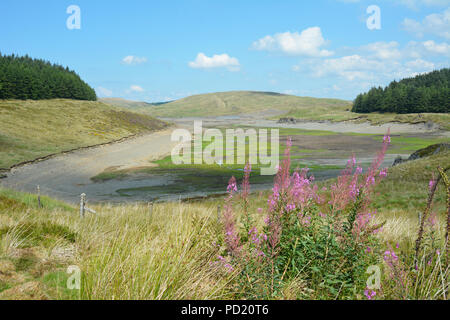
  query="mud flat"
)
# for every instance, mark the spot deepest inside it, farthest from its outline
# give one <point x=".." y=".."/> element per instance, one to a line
<point x="340" y="127"/>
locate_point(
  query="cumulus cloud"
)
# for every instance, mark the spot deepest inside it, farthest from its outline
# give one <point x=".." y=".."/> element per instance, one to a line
<point x="437" y="24"/>
<point x="103" y="92"/>
<point x="216" y="61"/>
<point x="349" y="67"/>
<point x="307" y="43"/>
<point x="136" y="88"/>
<point x="356" y="67"/>
<point x="131" y="60"/>
<point x="420" y="64"/>
<point x="438" y="48"/>
<point x="428" y="48"/>
<point x="384" y="50"/>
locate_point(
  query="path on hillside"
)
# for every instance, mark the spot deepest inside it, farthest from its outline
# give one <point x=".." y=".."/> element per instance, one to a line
<point x="68" y="175"/>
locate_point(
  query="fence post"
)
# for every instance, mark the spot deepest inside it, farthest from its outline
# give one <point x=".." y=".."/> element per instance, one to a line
<point x="151" y="208"/>
<point x="39" y="197"/>
<point x="82" y="204"/>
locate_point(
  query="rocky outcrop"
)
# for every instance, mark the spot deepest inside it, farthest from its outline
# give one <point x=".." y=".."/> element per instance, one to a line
<point x="425" y="152"/>
<point x="287" y="120"/>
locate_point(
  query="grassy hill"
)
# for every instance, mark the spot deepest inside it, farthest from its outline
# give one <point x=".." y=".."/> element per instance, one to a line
<point x="33" y="129"/>
<point x="243" y="102"/>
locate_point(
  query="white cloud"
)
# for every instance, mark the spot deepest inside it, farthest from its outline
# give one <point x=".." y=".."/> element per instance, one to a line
<point x="384" y="50"/>
<point x="103" y="92"/>
<point x="420" y="64"/>
<point x="307" y="43"/>
<point x="356" y="67"/>
<point x="136" y="88"/>
<point x="437" y="24"/>
<point x="216" y="61"/>
<point x="416" y="50"/>
<point x="438" y="48"/>
<point x="349" y="67"/>
<point x="131" y="60"/>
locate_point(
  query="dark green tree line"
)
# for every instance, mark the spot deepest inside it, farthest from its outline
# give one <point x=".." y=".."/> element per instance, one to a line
<point x="423" y="93"/>
<point x="36" y="79"/>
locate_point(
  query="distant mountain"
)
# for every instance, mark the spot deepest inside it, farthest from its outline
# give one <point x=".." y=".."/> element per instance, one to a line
<point x="428" y="93"/>
<point x="242" y="102"/>
<point x="130" y="104"/>
<point x="26" y="78"/>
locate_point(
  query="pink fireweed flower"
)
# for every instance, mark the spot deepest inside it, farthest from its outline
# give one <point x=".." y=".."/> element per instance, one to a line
<point x="232" y="187"/>
<point x="232" y="239"/>
<point x="359" y="170"/>
<point x="260" y="253"/>
<point x="383" y="173"/>
<point x="387" y="139"/>
<point x="431" y="184"/>
<point x="369" y="294"/>
<point x="290" y="207"/>
<point x="260" y="210"/>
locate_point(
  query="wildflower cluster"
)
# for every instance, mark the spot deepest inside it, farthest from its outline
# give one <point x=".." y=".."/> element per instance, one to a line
<point x="321" y="234"/>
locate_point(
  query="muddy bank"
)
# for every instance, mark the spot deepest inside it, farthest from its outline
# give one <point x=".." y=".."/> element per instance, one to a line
<point x="66" y="176"/>
<point x="339" y="127"/>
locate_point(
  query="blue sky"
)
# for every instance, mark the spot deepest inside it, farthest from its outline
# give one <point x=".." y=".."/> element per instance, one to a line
<point x="164" y="50"/>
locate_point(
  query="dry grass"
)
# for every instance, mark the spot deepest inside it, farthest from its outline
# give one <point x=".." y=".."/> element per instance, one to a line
<point x="124" y="252"/>
<point x="32" y="129"/>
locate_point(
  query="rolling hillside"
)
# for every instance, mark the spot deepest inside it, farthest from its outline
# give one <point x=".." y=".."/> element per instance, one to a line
<point x="130" y="104"/>
<point x="33" y="129"/>
<point x="243" y="102"/>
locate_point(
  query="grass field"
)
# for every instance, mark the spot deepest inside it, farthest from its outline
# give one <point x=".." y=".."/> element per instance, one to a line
<point x="34" y="129"/>
<point x="130" y="252"/>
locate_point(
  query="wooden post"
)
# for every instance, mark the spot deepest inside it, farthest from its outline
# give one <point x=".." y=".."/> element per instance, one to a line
<point x="39" y="197"/>
<point x="218" y="213"/>
<point x="82" y="204"/>
<point x="151" y="208"/>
